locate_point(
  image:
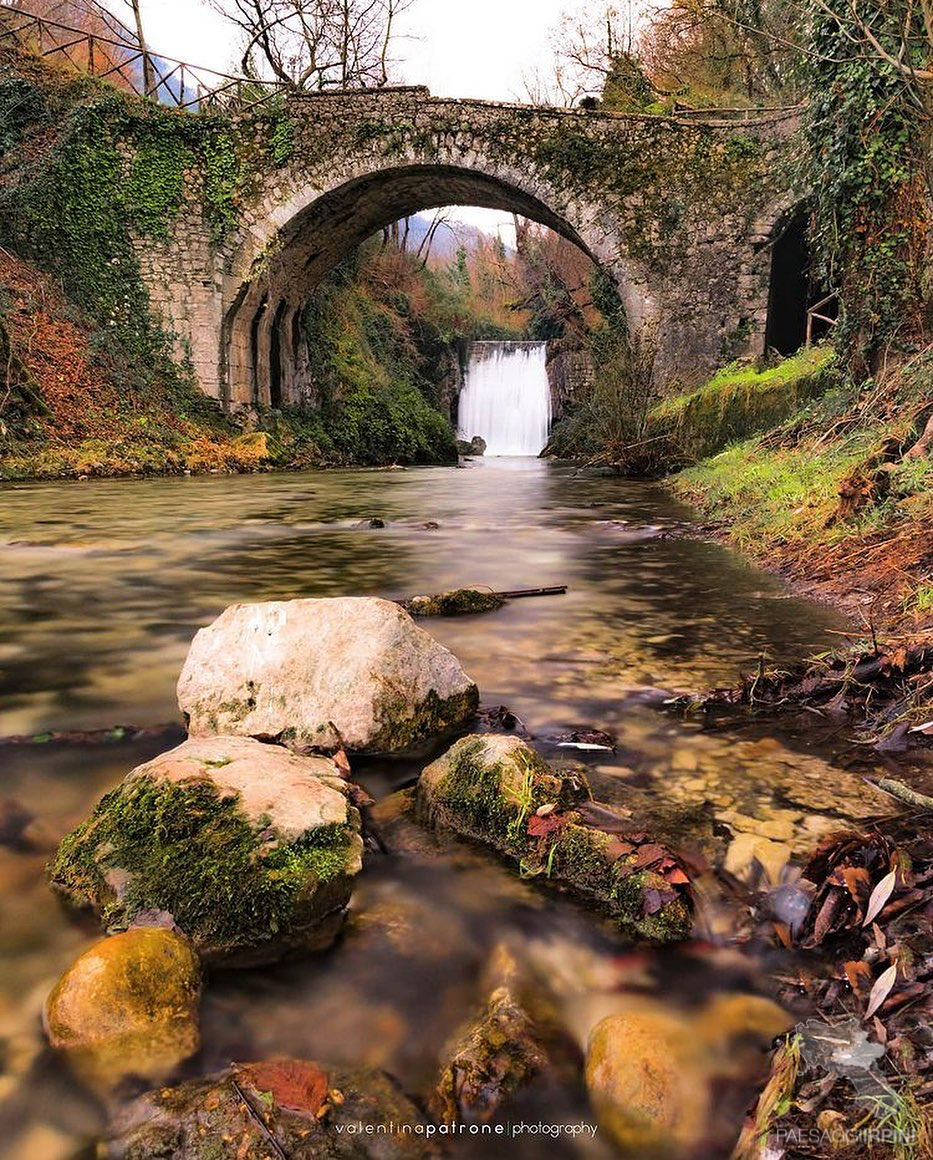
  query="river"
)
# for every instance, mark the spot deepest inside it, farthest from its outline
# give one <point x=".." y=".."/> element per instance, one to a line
<point x="102" y="585"/>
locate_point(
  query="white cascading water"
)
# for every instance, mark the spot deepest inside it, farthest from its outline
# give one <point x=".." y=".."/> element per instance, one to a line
<point x="506" y="397"/>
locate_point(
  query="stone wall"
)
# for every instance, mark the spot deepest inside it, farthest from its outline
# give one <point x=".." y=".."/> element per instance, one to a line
<point x="570" y="373"/>
<point x="678" y="211"/>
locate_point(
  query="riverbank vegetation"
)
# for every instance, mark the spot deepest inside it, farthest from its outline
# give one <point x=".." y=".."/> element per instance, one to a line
<point x="838" y="494"/>
<point x="818" y="463"/>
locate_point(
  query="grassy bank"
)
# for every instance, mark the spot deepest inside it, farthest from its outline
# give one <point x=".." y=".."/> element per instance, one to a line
<point x="836" y="491"/>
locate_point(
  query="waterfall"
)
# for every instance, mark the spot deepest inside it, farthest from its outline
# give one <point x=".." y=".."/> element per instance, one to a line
<point x="506" y="397"/>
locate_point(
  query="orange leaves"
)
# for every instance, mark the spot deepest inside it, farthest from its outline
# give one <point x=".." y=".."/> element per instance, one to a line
<point x="292" y="1084"/>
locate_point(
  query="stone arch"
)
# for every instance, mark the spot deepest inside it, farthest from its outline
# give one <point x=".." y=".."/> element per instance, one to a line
<point x="300" y="234"/>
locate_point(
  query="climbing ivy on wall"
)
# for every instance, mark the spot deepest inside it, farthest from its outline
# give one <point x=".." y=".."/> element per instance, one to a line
<point x="866" y="142"/>
<point x="112" y="168"/>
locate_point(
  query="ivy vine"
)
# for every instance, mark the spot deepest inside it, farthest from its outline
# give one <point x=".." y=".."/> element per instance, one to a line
<point x="866" y="140"/>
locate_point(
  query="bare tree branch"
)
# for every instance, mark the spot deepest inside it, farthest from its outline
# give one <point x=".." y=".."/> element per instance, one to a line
<point x="316" y="44"/>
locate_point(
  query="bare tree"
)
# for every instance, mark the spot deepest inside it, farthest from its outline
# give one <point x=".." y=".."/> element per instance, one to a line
<point x="441" y="218"/>
<point x="586" y="45"/>
<point x="316" y="44"/>
<point x="148" y="79"/>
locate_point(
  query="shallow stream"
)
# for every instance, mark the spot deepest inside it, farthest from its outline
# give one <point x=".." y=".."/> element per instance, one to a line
<point x="102" y="585"/>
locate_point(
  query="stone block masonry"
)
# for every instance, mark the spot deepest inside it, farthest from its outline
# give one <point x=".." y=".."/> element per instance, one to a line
<point x="679" y="211"/>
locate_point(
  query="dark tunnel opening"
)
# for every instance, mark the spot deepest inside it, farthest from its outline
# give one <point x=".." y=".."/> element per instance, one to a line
<point x="793" y="290"/>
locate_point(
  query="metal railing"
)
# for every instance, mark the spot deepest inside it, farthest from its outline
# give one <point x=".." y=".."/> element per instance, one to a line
<point x="178" y="84"/>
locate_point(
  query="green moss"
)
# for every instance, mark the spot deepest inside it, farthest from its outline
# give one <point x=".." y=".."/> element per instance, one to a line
<point x="473" y="796"/>
<point x="459" y="602"/>
<point x="737" y="402"/>
<point x="435" y="717"/>
<point x="374" y="379"/>
<point x="182" y="848"/>
<point x="671" y="923"/>
<point x="581" y="855"/>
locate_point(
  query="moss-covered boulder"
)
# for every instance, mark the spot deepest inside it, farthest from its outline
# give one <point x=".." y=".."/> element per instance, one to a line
<point x="307" y="1111"/>
<point x="457" y="602"/>
<point x="250" y="848"/>
<point x="498" y="790"/>
<point x="316" y="673"/>
<point x="127" y="1007"/>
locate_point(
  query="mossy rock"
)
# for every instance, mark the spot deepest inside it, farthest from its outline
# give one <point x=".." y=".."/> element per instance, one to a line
<point x="250" y="848"/>
<point x="493" y="1056"/>
<point x="496" y="789"/>
<point x="311" y="1112"/>
<point x="457" y="602"/>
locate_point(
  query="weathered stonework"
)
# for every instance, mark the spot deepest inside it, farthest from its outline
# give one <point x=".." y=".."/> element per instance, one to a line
<point x="570" y="374"/>
<point x="679" y="211"/>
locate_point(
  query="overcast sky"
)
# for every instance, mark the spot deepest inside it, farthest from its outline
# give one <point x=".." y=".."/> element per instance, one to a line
<point x="458" y="48"/>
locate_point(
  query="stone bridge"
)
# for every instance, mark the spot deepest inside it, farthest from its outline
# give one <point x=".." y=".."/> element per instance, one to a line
<point x="679" y="211"/>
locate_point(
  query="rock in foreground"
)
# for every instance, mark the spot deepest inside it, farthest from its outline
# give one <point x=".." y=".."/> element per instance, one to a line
<point x="671" y="1085"/>
<point x="315" y="673"/>
<point x="250" y="848"/>
<point x="498" y="790"/>
<point x="307" y="1112"/>
<point x="493" y="1057"/>
<point x="128" y="1006"/>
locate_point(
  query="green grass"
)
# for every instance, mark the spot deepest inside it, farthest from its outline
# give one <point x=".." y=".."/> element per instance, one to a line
<point x="779" y="495"/>
<point x="737" y="402"/>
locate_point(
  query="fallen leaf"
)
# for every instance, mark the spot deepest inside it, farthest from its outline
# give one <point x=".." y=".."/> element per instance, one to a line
<point x="926" y="728"/>
<point x="648" y="854"/>
<point x="540" y="827"/>
<point x="616" y="849"/>
<point x="879" y="896"/>
<point x="881" y="990"/>
<point x="828" y="913"/>
<point x="298" y="1086"/>
<point x="652" y="903"/>
<point x="857" y="881"/>
<point x="858" y="974"/>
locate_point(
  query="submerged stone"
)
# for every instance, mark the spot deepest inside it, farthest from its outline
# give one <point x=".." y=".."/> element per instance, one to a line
<point x="498" y="790"/>
<point x="315" y="673"/>
<point x="128" y="1006"/>
<point x="494" y="1056"/>
<point x="250" y="848"/>
<point x="309" y="1112"/>
<point x="667" y="1083"/>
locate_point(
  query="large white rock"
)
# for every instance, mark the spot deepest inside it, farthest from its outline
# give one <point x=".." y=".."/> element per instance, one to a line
<point x="304" y="671"/>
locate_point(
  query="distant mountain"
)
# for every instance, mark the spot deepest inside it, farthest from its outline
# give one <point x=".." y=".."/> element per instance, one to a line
<point x="448" y="238"/>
